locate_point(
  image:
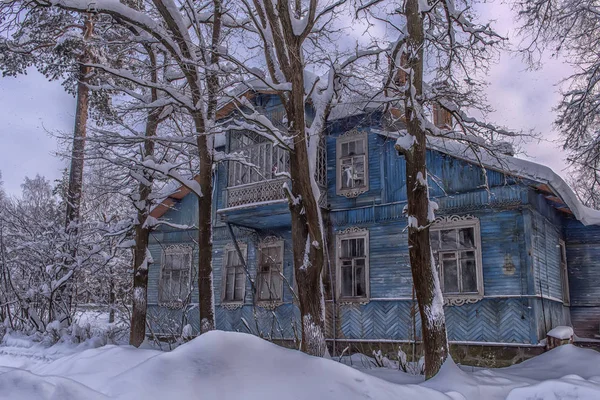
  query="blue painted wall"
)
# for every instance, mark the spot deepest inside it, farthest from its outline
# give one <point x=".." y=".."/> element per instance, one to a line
<point x="519" y="238"/>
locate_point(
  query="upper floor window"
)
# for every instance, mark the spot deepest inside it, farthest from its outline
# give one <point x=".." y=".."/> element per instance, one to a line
<point x="353" y="264"/>
<point x="175" y="283"/>
<point x="352" y="164"/>
<point x="270" y="271"/>
<point x="456" y="246"/>
<point x="234" y="275"/>
<point x="564" y="273"/>
<point x="263" y="160"/>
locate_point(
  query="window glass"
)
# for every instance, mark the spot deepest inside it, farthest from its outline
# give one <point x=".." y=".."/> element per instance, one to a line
<point x="235" y="277"/>
<point x="456" y="254"/>
<point x="468" y="272"/>
<point x="352" y="164"/>
<point x="175" y="276"/>
<point x="353" y="267"/>
<point x="448" y="239"/>
<point x="270" y="279"/>
<point x="450" y="272"/>
<point x="466" y="238"/>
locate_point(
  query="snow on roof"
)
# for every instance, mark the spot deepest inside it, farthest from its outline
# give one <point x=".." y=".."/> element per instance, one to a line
<point x="518" y="167"/>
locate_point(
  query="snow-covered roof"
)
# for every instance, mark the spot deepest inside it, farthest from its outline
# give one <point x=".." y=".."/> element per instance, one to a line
<point x="517" y="167"/>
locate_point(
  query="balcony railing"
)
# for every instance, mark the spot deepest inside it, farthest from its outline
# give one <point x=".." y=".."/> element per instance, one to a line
<point x="258" y="192"/>
<point x="264" y="191"/>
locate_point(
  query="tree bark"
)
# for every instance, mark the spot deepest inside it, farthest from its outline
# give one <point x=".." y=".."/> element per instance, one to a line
<point x="77" y="153"/>
<point x="307" y="239"/>
<point x="205" y="287"/>
<point x="74" y="190"/>
<point x="425" y="278"/>
<point x="142" y="230"/>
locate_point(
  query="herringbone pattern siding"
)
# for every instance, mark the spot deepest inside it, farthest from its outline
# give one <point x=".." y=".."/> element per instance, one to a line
<point x="490" y="320"/>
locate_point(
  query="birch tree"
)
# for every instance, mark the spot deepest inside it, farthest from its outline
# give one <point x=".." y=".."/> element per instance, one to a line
<point x="570" y="28"/>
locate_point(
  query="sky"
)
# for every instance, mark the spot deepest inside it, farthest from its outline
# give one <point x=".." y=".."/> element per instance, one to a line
<point x="33" y="111"/>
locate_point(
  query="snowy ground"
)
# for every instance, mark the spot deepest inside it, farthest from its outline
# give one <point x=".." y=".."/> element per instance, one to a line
<point x="221" y="365"/>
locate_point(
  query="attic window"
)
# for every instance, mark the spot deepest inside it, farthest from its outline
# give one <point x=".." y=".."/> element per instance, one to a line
<point x="352" y="164"/>
<point x="441" y="117"/>
<point x="456" y="247"/>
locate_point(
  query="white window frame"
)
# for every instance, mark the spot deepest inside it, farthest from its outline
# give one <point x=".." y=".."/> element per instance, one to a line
<point x="352" y="233"/>
<point x="457" y="223"/>
<point x="564" y="272"/>
<point x="348" y="137"/>
<point x="262" y="245"/>
<point x="170" y="251"/>
<point x="227" y="250"/>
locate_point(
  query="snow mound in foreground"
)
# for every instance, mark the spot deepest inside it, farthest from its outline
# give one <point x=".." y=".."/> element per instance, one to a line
<point x="18" y="384"/>
<point x="227" y="365"/>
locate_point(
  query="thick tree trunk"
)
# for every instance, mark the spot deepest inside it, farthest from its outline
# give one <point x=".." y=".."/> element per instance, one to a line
<point x="425" y="278"/>
<point x="141" y="259"/>
<point x="307" y="239"/>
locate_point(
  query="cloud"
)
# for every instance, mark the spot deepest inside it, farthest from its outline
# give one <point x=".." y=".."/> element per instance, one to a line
<point x="31" y="108"/>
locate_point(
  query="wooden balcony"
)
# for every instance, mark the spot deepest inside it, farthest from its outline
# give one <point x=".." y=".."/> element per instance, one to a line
<point x="258" y="192"/>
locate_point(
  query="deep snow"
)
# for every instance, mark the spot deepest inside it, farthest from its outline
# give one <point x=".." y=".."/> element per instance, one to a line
<point x="227" y="365"/>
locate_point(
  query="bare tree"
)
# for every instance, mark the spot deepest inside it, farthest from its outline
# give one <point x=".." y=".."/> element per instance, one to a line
<point x="292" y="37"/>
<point x="570" y="28"/>
<point x="431" y="70"/>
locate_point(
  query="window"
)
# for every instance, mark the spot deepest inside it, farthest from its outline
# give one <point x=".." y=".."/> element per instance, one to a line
<point x="353" y="264"/>
<point x="441" y="117"/>
<point x="266" y="159"/>
<point x="270" y="270"/>
<point x="234" y="287"/>
<point x="175" y="284"/>
<point x="564" y="273"/>
<point x="352" y="167"/>
<point x="455" y="243"/>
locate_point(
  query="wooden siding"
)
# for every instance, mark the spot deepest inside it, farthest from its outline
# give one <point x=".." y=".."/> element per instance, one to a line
<point x="519" y="237"/>
<point x="549" y="314"/>
<point x="583" y="260"/>
<point x="546" y="257"/>
<point x="490" y="320"/>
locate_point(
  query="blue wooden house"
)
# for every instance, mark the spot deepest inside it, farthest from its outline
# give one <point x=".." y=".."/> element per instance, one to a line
<point x="517" y="253"/>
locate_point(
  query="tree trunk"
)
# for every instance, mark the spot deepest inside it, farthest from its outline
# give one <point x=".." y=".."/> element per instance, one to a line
<point x="205" y="287"/>
<point x="307" y="239"/>
<point x="141" y="259"/>
<point x="75" y="187"/>
<point x="425" y="278"/>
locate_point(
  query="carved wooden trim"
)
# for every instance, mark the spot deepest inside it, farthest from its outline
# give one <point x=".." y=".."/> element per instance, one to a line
<point x="232" y="306"/>
<point x="351" y="229"/>
<point x="269" y="240"/>
<point x="351" y="133"/>
<point x="269" y="305"/>
<point x="178" y="249"/>
<point x="453" y="219"/>
<point x="351" y="193"/>
<point x="459" y="301"/>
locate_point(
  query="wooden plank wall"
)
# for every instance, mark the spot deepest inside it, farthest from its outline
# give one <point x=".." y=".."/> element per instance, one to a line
<point x="583" y="253"/>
